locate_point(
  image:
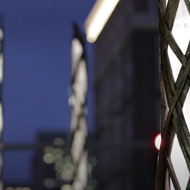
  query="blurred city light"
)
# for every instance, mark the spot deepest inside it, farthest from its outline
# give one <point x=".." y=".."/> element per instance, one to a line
<point x="18" y="188"/>
<point x="59" y="166"/>
<point x="48" y="158"/>
<point x="26" y="188"/>
<point x="59" y="141"/>
<point x="157" y="141"/>
<point x="48" y="149"/>
<point x="92" y="160"/>
<point x="89" y="168"/>
<point x="10" y="188"/>
<point x="90" y="188"/>
<point x="58" y="151"/>
<point x="98" y="17"/>
<point x="92" y="182"/>
<point x="66" y="187"/>
<point x="49" y="183"/>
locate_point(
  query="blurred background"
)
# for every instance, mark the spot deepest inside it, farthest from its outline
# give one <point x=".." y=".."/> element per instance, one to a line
<point x="123" y="94"/>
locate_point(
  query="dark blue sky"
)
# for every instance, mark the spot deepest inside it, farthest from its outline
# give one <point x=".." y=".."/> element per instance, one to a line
<point x="37" y="71"/>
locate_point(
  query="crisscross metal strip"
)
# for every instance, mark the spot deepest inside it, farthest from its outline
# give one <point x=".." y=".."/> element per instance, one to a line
<point x="173" y="95"/>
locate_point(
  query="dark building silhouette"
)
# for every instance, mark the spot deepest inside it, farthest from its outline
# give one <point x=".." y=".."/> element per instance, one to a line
<point x="48" y="162"/>
<point x="52" y="165"/>
<point x="127" y="97"/>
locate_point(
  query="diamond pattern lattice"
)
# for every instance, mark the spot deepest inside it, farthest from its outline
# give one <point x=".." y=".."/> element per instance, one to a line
<point x="174" y="156"/>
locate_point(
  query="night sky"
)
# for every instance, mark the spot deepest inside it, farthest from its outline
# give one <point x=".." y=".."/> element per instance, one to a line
<point x="37" y="72"/>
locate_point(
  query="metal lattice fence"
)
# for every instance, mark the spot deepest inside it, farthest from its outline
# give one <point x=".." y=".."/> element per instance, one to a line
<point x="175" y="81"/>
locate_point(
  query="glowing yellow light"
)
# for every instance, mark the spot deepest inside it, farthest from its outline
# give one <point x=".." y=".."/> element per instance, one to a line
<point x="98" y="17"/>
<point x="157" y="141"/>
<point x="10" y="188"/>
<point x="66" y="187"/>
<point x="59" y="141"/>
<point x="48" y="158"/>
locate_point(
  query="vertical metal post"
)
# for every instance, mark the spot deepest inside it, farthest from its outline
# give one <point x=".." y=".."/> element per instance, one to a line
<point x="174" y="156"/>
<point x="78" y="101"/>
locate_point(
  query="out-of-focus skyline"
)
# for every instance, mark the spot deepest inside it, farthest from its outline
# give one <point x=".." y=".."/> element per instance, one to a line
<point x="37" y="70"/>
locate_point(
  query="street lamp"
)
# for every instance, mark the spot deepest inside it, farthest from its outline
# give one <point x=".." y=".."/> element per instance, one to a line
<point x="174" y="156"/>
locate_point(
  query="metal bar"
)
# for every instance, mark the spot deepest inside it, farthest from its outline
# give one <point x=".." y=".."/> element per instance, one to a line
<point x="28" y="146"/>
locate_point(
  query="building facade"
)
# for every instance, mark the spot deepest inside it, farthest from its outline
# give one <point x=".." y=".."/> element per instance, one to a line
<point x="47" y="164"/>
<point x="52" y="167"/>
<point x="127" y="96"/>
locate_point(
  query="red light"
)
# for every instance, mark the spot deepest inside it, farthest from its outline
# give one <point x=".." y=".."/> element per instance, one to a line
<point x="157" y="141"/>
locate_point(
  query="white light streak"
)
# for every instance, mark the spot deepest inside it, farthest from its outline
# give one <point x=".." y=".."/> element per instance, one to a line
<point x="98" y="17"/>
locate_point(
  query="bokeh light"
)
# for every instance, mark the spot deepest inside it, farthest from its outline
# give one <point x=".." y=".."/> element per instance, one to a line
<point x="48" y="149"/>
<point x="92" y="160"/>
<point x="18" y="188"/>
<point x="59" y="142"/>
<point x="92" y="182"/>
<point x="49" y="183"/>
<point x="89" y="168"/>
<point x="59" y="166"/>
<point x="89" y="188"/>
<point x="9" y="188"/>
<point x="48" y="158"/>
<point x="58" y="151"/>
<point x="66" y="187"/>
<point x="67" y="175"/>
<point x="26" y="188"/>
